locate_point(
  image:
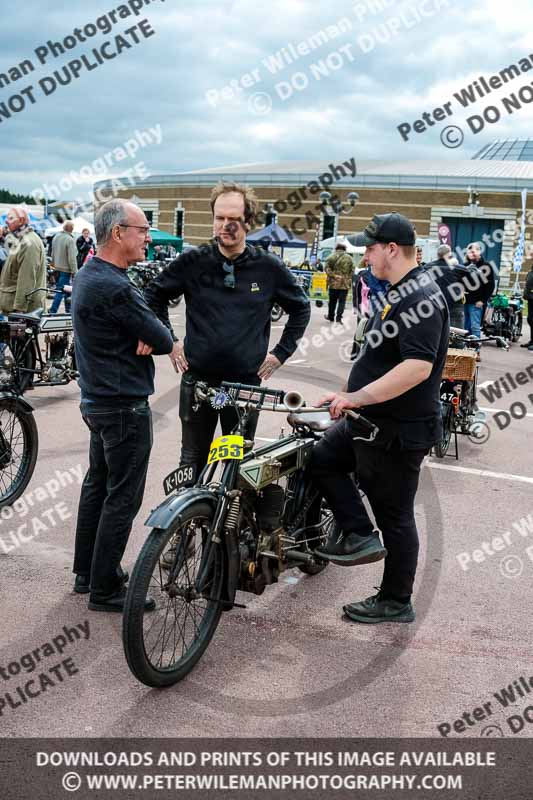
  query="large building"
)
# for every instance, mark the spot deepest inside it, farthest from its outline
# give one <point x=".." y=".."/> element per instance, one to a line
<point x="479" y="199"/>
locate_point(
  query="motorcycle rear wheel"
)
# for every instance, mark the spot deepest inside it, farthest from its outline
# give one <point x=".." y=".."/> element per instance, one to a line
<point x="19" y="445"/>
<point x="442" y="447"/>
<point x="163" y="646"/>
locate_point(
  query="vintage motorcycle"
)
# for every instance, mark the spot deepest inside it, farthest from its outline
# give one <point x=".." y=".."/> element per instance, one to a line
<point x="458" y="389"/>
<point x="504" y="317"/>
<point x="252" y="514"/>
<point x="144" y="273"/>
<point x="23" y="361"/>
<point x="19" y="441"/>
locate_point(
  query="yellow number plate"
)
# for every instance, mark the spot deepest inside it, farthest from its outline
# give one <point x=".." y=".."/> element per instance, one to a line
<point x="226" y="447"/>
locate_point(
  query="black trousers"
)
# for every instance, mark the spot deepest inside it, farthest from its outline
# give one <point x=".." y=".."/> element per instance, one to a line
<point x="389" y="477"/>
<point x="112" y="490"/>
<point x="337" y="300"/>
<point x="198" y="427"/>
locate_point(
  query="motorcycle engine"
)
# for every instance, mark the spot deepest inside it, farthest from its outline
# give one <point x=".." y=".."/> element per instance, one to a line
<point x="259" y="570"/>
<point x="59" y="362"/>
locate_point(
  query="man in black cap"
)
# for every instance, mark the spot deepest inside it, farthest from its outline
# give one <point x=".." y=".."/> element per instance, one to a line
<point x="395" y="383"/>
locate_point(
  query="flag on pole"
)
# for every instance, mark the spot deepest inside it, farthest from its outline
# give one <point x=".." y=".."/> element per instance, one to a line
<point x="519" y="252"/>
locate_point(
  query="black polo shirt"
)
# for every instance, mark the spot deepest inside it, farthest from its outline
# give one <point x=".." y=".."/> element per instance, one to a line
<point x="413" y="323"/>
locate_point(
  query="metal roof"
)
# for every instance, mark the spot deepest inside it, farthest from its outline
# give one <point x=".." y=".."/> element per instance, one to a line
<point x="502" y="176"/>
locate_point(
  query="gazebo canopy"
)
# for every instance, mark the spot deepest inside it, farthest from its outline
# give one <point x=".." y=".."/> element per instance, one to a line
<point x="275" y="236"/>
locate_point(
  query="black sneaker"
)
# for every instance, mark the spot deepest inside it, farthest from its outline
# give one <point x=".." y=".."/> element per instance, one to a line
<point x="115" y="603"/>
<point x="82" y="582"/>
<point x="380" y="609"/>
<point x="348" y="548"/>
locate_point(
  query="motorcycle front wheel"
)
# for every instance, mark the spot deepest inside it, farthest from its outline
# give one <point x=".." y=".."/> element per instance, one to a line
<point x="162" y="646"/>
<point x="19" y="445"/>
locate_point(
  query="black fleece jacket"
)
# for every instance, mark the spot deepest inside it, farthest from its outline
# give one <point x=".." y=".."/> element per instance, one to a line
<point x="228" y="330"/>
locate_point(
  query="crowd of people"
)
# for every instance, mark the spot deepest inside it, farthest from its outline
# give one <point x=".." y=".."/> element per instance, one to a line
<point x="230" y="288"/>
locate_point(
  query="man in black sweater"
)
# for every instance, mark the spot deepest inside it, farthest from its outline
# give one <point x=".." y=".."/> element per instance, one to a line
<point x="229" y="288"/>
<point x="115" y="333"/>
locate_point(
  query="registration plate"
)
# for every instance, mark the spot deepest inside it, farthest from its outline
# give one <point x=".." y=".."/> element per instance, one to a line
<point x="180" y="477"/>
<point x="226" y="447"/>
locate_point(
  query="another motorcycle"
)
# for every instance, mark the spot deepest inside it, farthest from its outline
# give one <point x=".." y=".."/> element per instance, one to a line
<point x="504" y="317"/>
<point x="19" y="440"/>
<point x="143" y="274"/>
<point x="252" y="514"/>
<point x="23" y="362"/>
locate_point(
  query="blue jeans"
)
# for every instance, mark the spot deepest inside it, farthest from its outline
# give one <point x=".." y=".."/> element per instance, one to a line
<point x="63" y="280"/>
<point x="473" y="317"/>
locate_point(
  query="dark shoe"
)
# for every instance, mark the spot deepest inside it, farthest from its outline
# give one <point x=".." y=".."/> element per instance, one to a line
<point x="379" y="609"/>
<point x="348" y="549"/>
<point x="81" y="584"/>
<point x="527" y="344"/>
<point x="530" y="347"/>
<point x="115" y="602"/>
<point x="328" y="318"/>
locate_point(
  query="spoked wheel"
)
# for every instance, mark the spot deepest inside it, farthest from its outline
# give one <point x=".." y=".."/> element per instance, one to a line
<point x="441" y="448"/>
<point x="317" y="565"/>
<point x="517" y="328"/>
<point x="162" y="646"/>
<point x="19" y="444"/>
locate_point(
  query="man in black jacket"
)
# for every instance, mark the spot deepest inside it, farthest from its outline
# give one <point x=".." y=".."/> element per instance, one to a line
<point x="480" y="287"/>
<point x="84" y="244"/>
<point x="229" y="288"/>
<point x="450" y="278"/>
<point x="116" y="333"/>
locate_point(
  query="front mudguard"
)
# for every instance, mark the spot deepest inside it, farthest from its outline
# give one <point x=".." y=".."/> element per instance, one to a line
<point x="22" y="404"/>
<point x="174" y="506"/>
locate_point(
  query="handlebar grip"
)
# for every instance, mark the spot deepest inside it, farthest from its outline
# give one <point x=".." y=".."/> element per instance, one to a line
<point x="246" y="387"/>
<point x="363" y="421"/>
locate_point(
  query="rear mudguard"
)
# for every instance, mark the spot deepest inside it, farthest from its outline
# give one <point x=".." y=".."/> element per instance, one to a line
<point x="22" y="405"/>
<point x="174" y="506"/>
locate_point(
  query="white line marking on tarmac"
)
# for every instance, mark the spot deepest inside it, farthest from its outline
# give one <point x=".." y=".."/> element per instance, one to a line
<point x="297" y="361"/>
<point x="499" y="410"/>
<point x="484" y="473"/>
<point x="276" y="327"/>
<point x="262" y="439"/>
<point x="485" y="384"/>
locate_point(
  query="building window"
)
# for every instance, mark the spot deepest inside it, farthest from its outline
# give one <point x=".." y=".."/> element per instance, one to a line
<point x="178" y="229"/>
<point x="149" y="216"/>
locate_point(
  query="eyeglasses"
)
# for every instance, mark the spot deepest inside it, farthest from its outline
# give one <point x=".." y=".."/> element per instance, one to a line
<point x="145" y="228"/>
<point x="229" y="280"/>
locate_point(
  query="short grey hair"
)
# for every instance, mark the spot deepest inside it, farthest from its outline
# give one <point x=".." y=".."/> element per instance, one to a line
<point x="112" y="213"/>
<point x="444" y="250"/>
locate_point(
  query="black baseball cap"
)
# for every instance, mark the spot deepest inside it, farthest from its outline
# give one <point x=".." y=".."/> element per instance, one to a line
<point x="385" y="228"/>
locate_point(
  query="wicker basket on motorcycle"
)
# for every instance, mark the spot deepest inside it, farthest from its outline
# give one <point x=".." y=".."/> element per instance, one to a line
<point x="460" y="365"/>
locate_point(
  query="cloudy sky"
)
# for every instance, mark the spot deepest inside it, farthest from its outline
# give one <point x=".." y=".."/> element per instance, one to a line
<point x="217" y="78"/>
